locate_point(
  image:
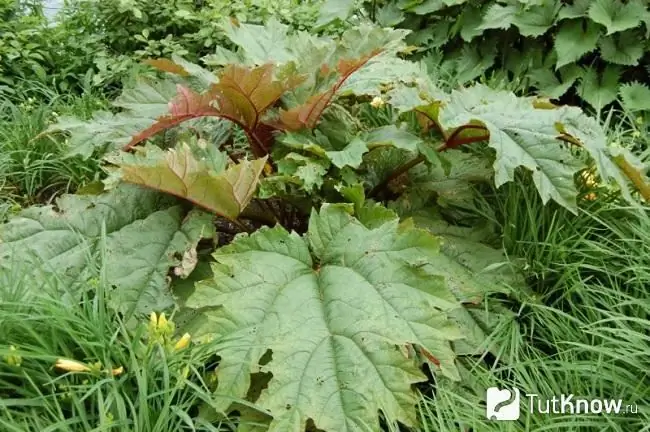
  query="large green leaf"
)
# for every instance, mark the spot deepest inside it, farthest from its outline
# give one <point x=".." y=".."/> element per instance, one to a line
<point x="143" y="104"/>
<point x="522" y="135"/>
<point x="262" y="44"/>
<point x="138" y="235"/>
<point x="336" y="310"/>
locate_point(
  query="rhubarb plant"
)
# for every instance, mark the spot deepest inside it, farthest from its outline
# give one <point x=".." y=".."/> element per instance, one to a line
<point x="330" y="185"/>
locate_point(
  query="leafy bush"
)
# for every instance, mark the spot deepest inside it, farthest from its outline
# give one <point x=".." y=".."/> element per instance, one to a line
<point x="21" y="54"/>
<point x="597" y="49"/>
<point x="349" y="183"/>
<point x="100" y="42"/>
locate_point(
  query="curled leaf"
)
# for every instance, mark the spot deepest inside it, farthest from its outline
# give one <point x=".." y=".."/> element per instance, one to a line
<point x="177" y="172"/>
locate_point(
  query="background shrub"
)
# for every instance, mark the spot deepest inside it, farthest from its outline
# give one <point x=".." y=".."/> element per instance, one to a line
<point x="579" y="50"/>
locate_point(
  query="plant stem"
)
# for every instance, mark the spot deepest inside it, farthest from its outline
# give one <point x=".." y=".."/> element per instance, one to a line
<point x="451" y="142"/>
<point x="398" y="172"/>
<point x="434" y="122"/>
<point x="240" y="225"/>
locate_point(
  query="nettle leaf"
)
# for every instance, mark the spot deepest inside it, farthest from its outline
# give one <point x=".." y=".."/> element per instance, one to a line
<point x="574" y="39"/>
<point x="617" y="16"/>
<point x="335" y="311"/>
<point x="390" y="15"/>
<point x="624" y="48"/>
<point x="522" y="135"/>
<point x="472" y="61"/>
<point x="471" y="21"/>
<point x="178" y="172"/>
<point x="599" y="90"/>
<point x="577" y="9"/>
<point x="499" y="17"/>
<point x="430" y="6"/>
<point x="635" y="96"/>
<point x="536" y="20"/>
<point x="532" y="20"/>
<point x="332" y="10"/>
<point x="138" y="233"/>
<point x="549" y="85"/>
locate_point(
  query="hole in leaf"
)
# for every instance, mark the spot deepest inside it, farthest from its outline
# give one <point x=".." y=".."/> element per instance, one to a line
<point x="266" y="358"/>
<point x="259" y="382"/>
<point x="311" y="427"/>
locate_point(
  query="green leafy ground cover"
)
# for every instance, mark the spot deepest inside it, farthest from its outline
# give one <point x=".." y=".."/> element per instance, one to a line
<point x="340" y="240"/>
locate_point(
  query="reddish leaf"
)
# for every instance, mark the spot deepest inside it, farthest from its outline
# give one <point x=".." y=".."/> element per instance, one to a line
<point x="167" y="65"/>
<point x="308" y="114"/>
<point x="186" y="105"/>
<point x="242" y="96"/>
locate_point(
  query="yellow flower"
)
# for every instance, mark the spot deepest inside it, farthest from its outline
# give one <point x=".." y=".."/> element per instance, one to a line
<point x="589" y="178"/>
<point x="153" y="321"/>
<point x="118" y="371"/>
<point x="13" y="359"/>
<point x="71" y="366"/>
<point x="183" y="342"/>
<point x="377" y="102"/>
<point x="590" y="196"/>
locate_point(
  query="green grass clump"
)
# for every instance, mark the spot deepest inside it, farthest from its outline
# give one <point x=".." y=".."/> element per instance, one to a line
<point x="582" y="329"/>
<point x="139" y="380"/>
<point x="33" y="168"/>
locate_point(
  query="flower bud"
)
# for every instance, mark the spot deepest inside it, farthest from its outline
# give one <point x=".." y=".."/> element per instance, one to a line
<point x="183" y="342"/>
<point x="71" y="366"/>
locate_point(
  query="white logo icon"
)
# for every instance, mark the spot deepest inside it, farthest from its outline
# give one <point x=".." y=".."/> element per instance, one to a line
<point x="502" y="404"/>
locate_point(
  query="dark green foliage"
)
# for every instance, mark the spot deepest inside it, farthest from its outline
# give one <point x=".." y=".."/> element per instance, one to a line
<point x="560" y="49"/>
